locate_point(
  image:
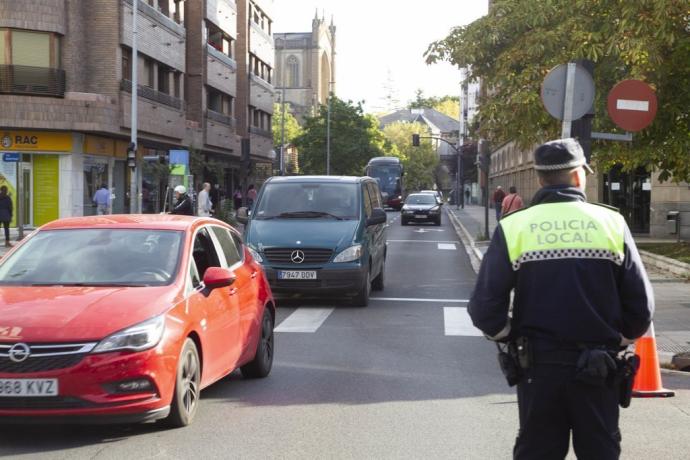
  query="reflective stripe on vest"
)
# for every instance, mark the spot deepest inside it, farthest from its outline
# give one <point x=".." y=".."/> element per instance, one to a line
<point x="572" y="230"/>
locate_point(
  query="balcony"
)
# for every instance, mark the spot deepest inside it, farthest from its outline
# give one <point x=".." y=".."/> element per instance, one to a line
<point x="153" y="95"/>
<point x="220" y="118"/>
<point x="34" y="81"/>
<point x="261" y="132"/>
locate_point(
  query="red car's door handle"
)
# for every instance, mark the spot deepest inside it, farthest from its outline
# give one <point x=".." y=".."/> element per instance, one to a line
<point x="233" y="291"/>
<point x="254" y="274"/>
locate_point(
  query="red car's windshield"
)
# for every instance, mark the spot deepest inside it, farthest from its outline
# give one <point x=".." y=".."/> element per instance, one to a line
<point x="95" y="257"/>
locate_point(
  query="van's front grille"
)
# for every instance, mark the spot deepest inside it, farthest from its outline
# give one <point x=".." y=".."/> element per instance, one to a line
<point x="293" y="255"/>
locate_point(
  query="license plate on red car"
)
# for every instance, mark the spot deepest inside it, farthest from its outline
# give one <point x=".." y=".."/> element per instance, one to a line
<point x="22" y="388"/>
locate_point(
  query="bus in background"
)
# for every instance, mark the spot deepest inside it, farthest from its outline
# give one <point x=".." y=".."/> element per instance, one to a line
<point x="388" y="172"/>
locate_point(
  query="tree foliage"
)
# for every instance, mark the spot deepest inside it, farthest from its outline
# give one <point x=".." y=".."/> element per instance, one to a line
<point x="355" y="138"/>
<point x="519" y="41"/>
<point x="448" y="105"/>
<point x="421" y="162"/>
<point x="292" y="127"/>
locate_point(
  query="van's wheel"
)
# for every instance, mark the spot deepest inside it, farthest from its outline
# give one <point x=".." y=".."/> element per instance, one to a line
<point x="379" y="281"/>
<point x="187" y="387"/>
<point x="261" y="366"/>
<point x="362" y="297"/>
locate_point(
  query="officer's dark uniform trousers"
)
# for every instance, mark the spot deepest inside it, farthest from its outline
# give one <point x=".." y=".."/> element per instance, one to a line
<point x="552" y="403"/>
<point x="579" y="284"/>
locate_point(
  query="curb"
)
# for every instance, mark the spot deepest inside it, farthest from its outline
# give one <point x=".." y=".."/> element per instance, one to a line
<point x="471" y="249"/>
<point x="666" y="264"/>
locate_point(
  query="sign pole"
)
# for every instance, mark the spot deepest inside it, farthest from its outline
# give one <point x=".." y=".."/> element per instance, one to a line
<point x="568" y="103"/>
<point x="20" y="200"/>
<point x="133" y="198"/>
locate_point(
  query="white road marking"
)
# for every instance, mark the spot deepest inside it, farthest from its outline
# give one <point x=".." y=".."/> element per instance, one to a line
<point x="427" y="230"/>
<point x="446" y="246"/>
<point x="422" y="241"/>
<point x="457" y="322"/>
<point x="307" y="320"/>
<point x="627" y="104"/>
<point x="407" y="299"/>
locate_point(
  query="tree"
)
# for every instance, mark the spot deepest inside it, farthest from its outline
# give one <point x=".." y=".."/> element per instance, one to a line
<point x="421" y="162"/>
<point x="292" y="127"/>
<point x="355" y="138"/>
<point x="448" y="105"/>
<point x="519" y="41"/>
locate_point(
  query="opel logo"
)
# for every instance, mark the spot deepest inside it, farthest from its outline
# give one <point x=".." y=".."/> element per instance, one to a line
<point x="6" y="141"/>
<point x="19" y="352"/>
<point x="297" y="257"/>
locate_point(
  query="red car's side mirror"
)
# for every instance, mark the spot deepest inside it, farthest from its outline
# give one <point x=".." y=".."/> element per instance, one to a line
<point x="216" y="277"/>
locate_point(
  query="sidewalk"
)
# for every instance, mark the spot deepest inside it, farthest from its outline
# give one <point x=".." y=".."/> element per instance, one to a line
<point x="672" y="295"/>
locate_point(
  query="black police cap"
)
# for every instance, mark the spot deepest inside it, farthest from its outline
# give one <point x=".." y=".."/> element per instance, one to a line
<point x="560" y="155"/>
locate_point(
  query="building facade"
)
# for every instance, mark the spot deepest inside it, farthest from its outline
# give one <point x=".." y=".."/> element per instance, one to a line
<point x="644" y="201"/>
<point x="305" y="66"/>
<point x="205" y="72"/>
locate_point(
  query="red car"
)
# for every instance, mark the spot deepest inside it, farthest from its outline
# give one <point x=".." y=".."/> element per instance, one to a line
<point x="126" y="318"/>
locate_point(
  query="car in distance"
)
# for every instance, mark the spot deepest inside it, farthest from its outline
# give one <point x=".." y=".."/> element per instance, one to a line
<point x="437" y="193"/>
<point x="319" y="236"/>
<point x="421" y="207"/>
<point x="126" y="318"/>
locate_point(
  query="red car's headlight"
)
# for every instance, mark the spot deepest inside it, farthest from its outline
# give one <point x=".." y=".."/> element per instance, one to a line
<point x="139" y="337"/>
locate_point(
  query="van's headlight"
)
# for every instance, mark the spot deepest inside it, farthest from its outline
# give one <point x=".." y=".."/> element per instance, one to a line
<point x="435" y="210"/>
<point x="139" y="337"/>
<point x="255" y="254"/>
<point x="350" y="254"/>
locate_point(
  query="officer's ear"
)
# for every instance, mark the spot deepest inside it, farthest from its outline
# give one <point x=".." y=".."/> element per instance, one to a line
<point x="579" y="178"/>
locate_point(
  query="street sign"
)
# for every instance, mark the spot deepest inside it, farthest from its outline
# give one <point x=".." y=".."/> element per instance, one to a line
<point x="553" y="92"/>
<point x="632" y="105"/>
<point x="10" y="157"/>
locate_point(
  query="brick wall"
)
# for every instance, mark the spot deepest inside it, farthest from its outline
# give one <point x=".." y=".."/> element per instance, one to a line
<point x="45" y="15"/>
<point x="223" y="13"/>
<point x="222" y="136"/>
<point x="261" y="96"/>
<point x="195" y="77"/>
<point x="155" y="119"/>
<point x="222" y="73"/>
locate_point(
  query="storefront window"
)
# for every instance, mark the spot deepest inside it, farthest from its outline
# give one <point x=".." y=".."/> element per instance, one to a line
<point x="95" y="175"/>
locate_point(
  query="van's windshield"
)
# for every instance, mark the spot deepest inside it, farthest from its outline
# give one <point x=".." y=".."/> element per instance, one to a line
<point x="302" y="200"/>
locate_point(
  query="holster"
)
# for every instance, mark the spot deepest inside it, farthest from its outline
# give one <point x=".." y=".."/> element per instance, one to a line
<point x="513" y="359"/>
<point x="628" y="364"/>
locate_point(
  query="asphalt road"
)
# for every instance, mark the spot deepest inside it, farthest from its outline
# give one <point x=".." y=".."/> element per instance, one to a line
<point x="406" y="377"/>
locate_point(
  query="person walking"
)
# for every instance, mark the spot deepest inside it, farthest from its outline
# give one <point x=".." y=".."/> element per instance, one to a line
<point x="204" y="201"/>
<point x="6" y="213"/>
<point x="581" y="293"/>
<point x="251" y="196"/>
<point x="497" y="198"/>
<point x="512" y="202"/>
<point x="237" y="199"/>
<point x="183" y="202"/>
<point x="102" y="199"/>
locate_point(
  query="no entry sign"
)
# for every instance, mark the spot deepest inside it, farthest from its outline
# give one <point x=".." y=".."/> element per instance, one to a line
<point x="632" y="105"/>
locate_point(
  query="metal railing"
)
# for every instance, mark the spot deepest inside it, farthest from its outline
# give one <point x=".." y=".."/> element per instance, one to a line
<point x="261" y="132"/>
<point x="153" y="95"/>
<point x="220" y="117"/>
<point x="37" y="81"/>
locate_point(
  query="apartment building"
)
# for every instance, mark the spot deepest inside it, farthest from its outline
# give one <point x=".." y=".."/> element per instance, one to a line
<point x="205" y="71"/>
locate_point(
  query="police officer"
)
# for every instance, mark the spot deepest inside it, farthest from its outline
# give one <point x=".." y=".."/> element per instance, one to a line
<point x="580" y="293"/>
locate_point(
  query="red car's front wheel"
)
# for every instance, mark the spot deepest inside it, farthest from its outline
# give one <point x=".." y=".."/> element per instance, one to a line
<point x="187" y="386"/>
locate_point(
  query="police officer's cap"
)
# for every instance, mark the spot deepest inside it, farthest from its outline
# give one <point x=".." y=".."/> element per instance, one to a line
<point x="559" y="155"/>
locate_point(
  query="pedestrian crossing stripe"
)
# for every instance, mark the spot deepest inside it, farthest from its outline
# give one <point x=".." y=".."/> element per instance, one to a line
<point x="457" y="322"/>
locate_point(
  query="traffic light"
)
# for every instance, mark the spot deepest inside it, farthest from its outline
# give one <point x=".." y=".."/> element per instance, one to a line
<point x="132" y="155"/>
<point x="415" y="140"/>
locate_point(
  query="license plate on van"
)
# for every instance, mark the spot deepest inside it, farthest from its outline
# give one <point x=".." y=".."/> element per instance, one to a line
<point x="296" y="275"/>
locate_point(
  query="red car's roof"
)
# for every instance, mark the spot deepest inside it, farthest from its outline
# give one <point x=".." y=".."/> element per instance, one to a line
<point x="140" y="221"/>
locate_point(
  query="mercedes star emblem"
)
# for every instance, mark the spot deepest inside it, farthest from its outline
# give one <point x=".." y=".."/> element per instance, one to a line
<point x="19" y="352"/>
<point x="297" y="257"/>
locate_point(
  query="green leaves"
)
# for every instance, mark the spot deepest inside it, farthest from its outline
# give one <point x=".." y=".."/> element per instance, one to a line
<point x="355" y="138"/>
<point x="420" y="163"/>
<point x="513" y="48"/>
<point x="292" y="127"/>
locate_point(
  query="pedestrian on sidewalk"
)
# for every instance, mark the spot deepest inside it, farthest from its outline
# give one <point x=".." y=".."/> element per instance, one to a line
<point x="6" y="213"/>
<point x="580" y="294"/>
<point x="498" y="196"/>
<point x="204" y="201"/>
<point x="251" y="196"/>
<point x="183" y="204"/>
<point x="102" y="200"/>
<point x="512" y="202"/>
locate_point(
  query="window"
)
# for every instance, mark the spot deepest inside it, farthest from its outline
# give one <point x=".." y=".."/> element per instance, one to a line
<point x="33" y="49"/>
<point x="194" y="275"/>
<point x="375" y="195"/>
<point x="204" y="252"/>
<point x="256" y="117"/>
<point x="367" y="201"/>
<point x="148" y="72"/>
<point x="177" y="83"/>
<point x="293" y="72"/>
<point x="3" y="59"/>
<point x="126" y="63"/>
<point x="232" y="255"/>
<point x="219" y="101"/>
<point x="220" y="40"/>
<point x="164" y="76"/>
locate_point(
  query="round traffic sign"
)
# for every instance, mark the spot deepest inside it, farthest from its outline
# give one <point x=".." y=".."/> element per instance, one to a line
<point x="632" y="105"/>
<point x="553" y="91"/>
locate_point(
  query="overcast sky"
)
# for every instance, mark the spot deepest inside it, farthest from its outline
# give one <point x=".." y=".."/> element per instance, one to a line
<point x="381" y="38"/>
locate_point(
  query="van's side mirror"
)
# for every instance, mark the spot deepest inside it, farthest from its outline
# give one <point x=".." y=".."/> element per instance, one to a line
<point x="242" y="215"/>
<point x="378" y="217"/>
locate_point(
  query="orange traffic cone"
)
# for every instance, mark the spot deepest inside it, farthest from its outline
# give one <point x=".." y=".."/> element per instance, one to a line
<point x="648" y="379"/>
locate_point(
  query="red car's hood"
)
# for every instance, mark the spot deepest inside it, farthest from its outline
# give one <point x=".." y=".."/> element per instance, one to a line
<point x="61" y="313"/>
